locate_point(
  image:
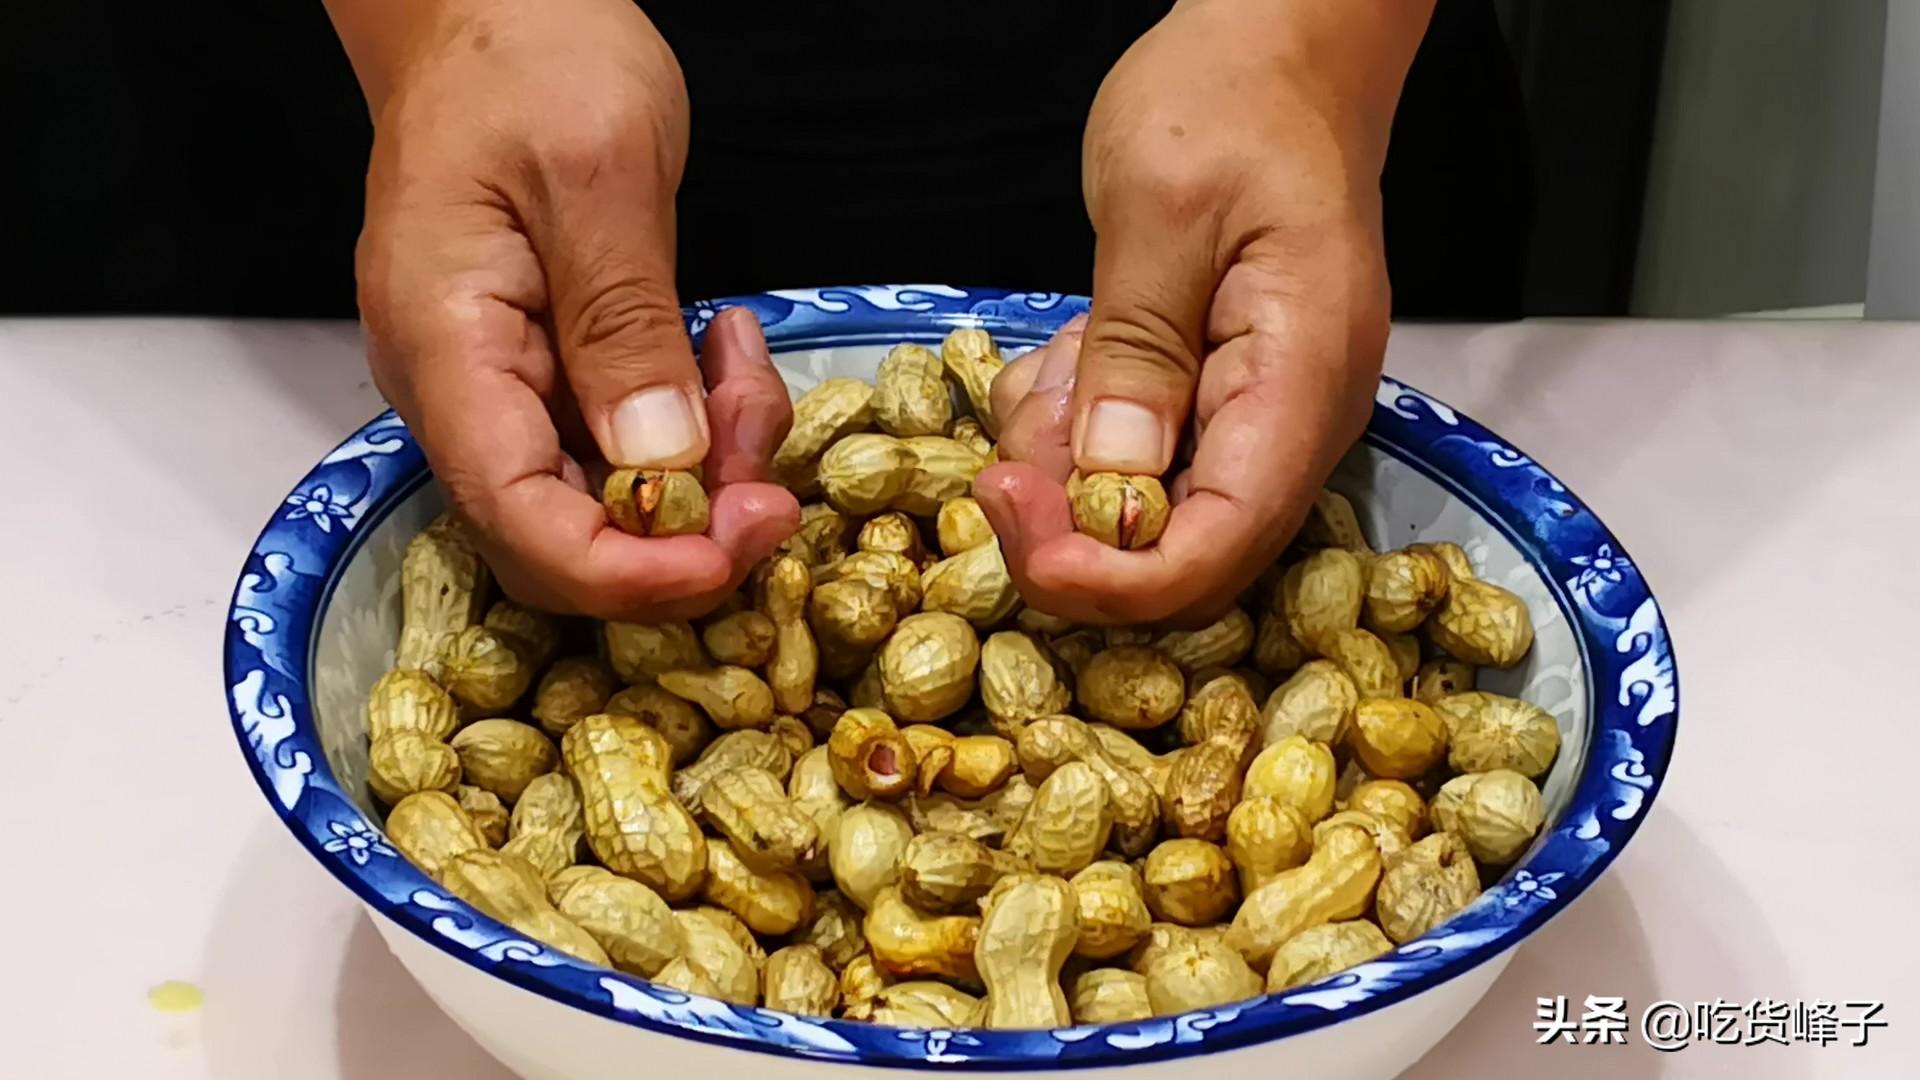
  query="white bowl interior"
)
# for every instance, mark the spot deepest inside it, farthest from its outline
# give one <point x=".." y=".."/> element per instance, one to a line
<point x="1398" y="505"/>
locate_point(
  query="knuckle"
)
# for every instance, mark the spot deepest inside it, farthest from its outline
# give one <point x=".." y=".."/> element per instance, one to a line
<point x="623" y="307"/>
<point x="1143" y="335"/>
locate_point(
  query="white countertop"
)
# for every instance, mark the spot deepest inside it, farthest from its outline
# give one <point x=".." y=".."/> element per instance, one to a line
<point x="1766" y="476"/>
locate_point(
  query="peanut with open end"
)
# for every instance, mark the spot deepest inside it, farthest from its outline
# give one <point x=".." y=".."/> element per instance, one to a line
<point x="932" y="753"/>
<point x="1018" y="683"/>
<point x="962" y="526"/>
<point x="1197" y="972"/>
<point x="947" y="873"/>
<point x="429" y="828"/>
<point x="769" y="902"/>
<point x="687" y="730"/>
<point x="1109" y="996"/>
<point x="870" y="757"/>
<point x="906" y="942"/>
<point x="749" y="807"/>
<point x="1322" y="595"/>
<point x="443" y="590"/>
<point x="713" y="951"/>
<point x="1113" y="909"/>
<point x="910" y="392"/>
<point x="1319" y="951"/>
<point x="1492" y="731"/>
<point x="973" y="359"/>
<point x="1297" y="771"/>
<point x="822" y="538"/>
<point x="406" y="762"/>
<point x="1403" y="588"/>
<point x="822" y="416"/>
<point x="835" y="929"/>
<point x="572" y="689"/>
<point x="1224" y="643"/>
<point x="639" y="654"/>
<point x="1336" y="883"/>
<point x="1068" y="823"/>
<point x="981" y="765"/>
<point x="1120" y="511"/>
<point x="513" y="893"/>
<point x="1029" y="927"/>
<point x="407" y="700"/>
<point x="503" y="756"/>
<point x="1482" y="624"/>
<point x="799" y="981"/>
<point x="627" y="919"/>
<point x="487" y="812"/>
<point x="1135" y="687"/>
<point x="1190" y="882"/>
<point x="1397" y="738"/>
<point x="1426" y="886"/>
<point x="974" y="585"/>
<point x="861" y="980"/>
<point x="866" y="851"/>
<point x="986" y="819"/>
<point x="655" y="502"/>
<point x="1441" y="677"/>
<point x="732" y="697"/>
<point x="634" y="825"/>
<point x="927" y="667"/>
<point x="1266" y="835"/>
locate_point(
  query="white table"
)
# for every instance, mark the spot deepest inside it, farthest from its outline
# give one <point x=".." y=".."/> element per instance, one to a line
<point x="1766" y="475"/>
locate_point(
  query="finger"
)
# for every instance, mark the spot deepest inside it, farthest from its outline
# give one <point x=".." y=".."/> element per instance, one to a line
<point x="1037" y="428"/>
<point x="748" y="406"/>
<point x="1151" y="288"/>
<point x="749" y="521"/>
<point x="606" y="241"/>
<point x="1017" y="379"/>
<point x="1026" y="507"/>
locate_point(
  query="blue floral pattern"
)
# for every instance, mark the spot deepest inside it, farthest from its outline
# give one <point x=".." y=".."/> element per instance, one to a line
<point x="1623" y="643"/>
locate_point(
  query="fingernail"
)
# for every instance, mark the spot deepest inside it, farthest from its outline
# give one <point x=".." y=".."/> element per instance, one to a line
<point x="659" y="427"/>
<point x="741" y="330"/>
<point x="1121" y="436"/>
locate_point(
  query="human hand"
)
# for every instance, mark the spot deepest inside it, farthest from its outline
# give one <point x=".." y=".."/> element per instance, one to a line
<point x="1239" y="282"/>
<point x="516" y="284"/>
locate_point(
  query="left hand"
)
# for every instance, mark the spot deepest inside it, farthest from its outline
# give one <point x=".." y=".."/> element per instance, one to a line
<point x="1239" y="281"/>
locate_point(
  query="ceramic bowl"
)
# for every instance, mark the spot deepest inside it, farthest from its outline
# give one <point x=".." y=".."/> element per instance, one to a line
<point x="317" y="611"/>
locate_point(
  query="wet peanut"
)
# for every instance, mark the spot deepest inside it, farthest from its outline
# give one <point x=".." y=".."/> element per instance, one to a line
<point x="714" y="951"/>
<point x="1336" y="883"/>
<point x="1018" y="683"/>
<point x="948" y="873"/>
<point x="973" y="359"/>
<point x="1266" y="835"/>
<point x="627" y="919"/>
<point x="732" y="697"/>
<point x="1068" y="823"/>
<point x="769" y="902"/>
<point x="1131" y="686"/>
<point x="405" y="762"/>
<point x="429" y="828"/>
<point x="572" y="689"/>
<point x="910" y="392"/>
<point x="742" y="639"/>
<point x="487" y="812"/>
<point x="1491" y="731"/>
<point x="927" y="667"/>
<point x="1113" y="909"/>
<point x="1392" y="801"/>
<point x="1482" y="624"/>
<point x="835" y="929"/>
<point x="760" y="749"/>
<point x="870" y="758"/>
<point x="1497" y="813"/>
<point x="1320" y="951"/>
<point x="503" y="756"/>
<point x="485" y="670"/>
<point x="1190" y="882"/>
<point x="1197" y="973"/>
<point x="443" y="590"/>
<point x="1321" y="597"/>
<point x="908" y="943"/>
<point x="1316" y="702"/>
<point x="633" y="824"/>
<point x="861" y="980"/>
<point x="919" y="1003"/>
<point x="1426" y="886"/>
<point x="687" y="730"/>
<point x="815" y="793"/>
<point x="1222" y="644"/>
<point x="1202" y="788"/>
<point x="962" y="526"/>
<point x="823" y="416"/>
<point x="866" y="851"/>
<point x="1397" y="738"/>
<point x="1367" y="661"/>
<point x="749" y="807"/>
<point x="655" y="502"/>
<point x="407" y="700"/>
<point x="1031" y="924"/>
<point x="1109" y="996"/>
<point x="1297" y="771"/>
<point x="986" y="819"/>
<point x="511" y="892"/>
<point x="1120" y="511"/>
<point x="974" y="585"/>
<point x="1275" y="652"/>
<point x="639" y="654"/>
<point x="1332" y="523"/>
<point x="1403" y="588"/>
<point x="1441" y="677"/>
<point x="799" y="981"/>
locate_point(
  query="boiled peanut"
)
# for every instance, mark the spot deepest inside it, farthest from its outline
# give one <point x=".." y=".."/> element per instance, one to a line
<point x="1391" y="801"/>
<point x="974" y="585"/>
<point x="1198" y="973"/>
<point x="1483" y="624"/>
<point x="851" y="615"/>
<point x="932" y="753"/>
<point x="742" y="639"/>
<point x="1322" y="596"/>
<point x="823" y="416"/>
<point x="1018" y="683"/>
<point x="629" y="920"/>
<point x="986" y="819"/>
<point x="1030" y="925"/>
<point x="1266" y="835"/>
<point x="919" y="1003"/>
<point x="503" y="756"/>
<point x="822" y="537"/>
<point x="429" y="828"/>
<point x="1492" y="731"/>
<point x="1068" y="824"/>
<point x="1223" y="644"/>
<point x="769" y="902"/>
<point x="794" y="662"/>
<point x="927" y="667"/>
<point x="1297" y="771"/>
<point x="1336" y="883"/>
<point x="962" y="526"/>
<point x="633" y="823"/>
<point x="824" y="712"/>
<point x="407" y="700"/>
<point x="1316" y="702"/>
<point x="487" y="812"/>
<point x="687" y="730"/>
<point x="1403" y="588"/>
<point x="1190" y="882"/>
<point x="910" y="392"/>
<point x="1320" y="951"/>
<point x="655" y="502"/>
<point x="1423" y="888"/>
<point x="1441" y="677"/>
<point x="866" y="851"/>
<point x="1131" y="686"/>
<point x="871" y="759"/>
<point x="1397" y="738"/>
<point x="1331" y="522"/>
<point x="1202" y="789"/>
<point x="973" y="359"/>
<point x="898" y="575"/>
<point x="1275" y="652"/>
<point x="1459" y="564"/>
<point x="947" y="872"/>
<point x="443" y="590"/>
<point x="835" y="929"/>
<point x="860" y="982"/>
<point x="1367" y="661"/>
<point x="1109" y="996"/>
<point x="815" y="793"/>
<point x="749" y="807"/>
<point x="572" y="689"/>
<point x="680" y="974"/>
<point x="485" y="670"/>
<point x="799" y="981"/>
<point x="1120" y="511"/>
<point x="1497" y="813"/>
<point x="640" y="653"/>
<point x="1387" y="836"/>
<point x="980" y="765"/>
<point x="1223" y="709"/>
<point x="943" y="469"/>
<point x="906" y="942"/>
<point x="732" y="697"/>
<point x="712" y="949"/>
<point x="1113" y="909"/>
<point x="405" y="762"/>
<point x="512" y="893"/>
<point x="760" y="749"/>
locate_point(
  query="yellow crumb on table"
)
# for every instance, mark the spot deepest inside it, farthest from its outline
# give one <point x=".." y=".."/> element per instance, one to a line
<point x="174" y="996"/>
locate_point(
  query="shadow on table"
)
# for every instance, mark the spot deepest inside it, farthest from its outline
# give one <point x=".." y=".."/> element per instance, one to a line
<point x="300" y="986"/>
<point x="1600" y="946"/>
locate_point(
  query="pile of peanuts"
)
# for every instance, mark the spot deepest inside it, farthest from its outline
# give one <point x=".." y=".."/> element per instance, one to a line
<point x="874" y="786"/>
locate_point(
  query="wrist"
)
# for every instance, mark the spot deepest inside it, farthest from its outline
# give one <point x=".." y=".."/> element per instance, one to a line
<point x="381" y="37"/>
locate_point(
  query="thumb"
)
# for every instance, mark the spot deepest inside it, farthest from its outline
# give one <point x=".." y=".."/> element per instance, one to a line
<point x="1140" y="357"/>
<point x="608" y="257"/>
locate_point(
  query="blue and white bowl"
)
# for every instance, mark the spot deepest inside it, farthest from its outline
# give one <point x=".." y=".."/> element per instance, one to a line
<point x="317" y="613"/>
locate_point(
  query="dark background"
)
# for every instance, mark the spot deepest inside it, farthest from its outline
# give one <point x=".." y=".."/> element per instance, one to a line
<point x="207" y="158"/>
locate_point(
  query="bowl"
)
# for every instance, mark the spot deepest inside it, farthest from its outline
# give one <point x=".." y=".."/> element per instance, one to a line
<point x="317" y="611"/>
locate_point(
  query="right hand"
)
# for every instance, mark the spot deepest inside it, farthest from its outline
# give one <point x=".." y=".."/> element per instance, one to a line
<point x="516" y="285"/>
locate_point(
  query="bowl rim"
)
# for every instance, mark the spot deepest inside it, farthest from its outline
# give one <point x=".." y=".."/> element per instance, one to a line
<point x="294" y="564"/>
